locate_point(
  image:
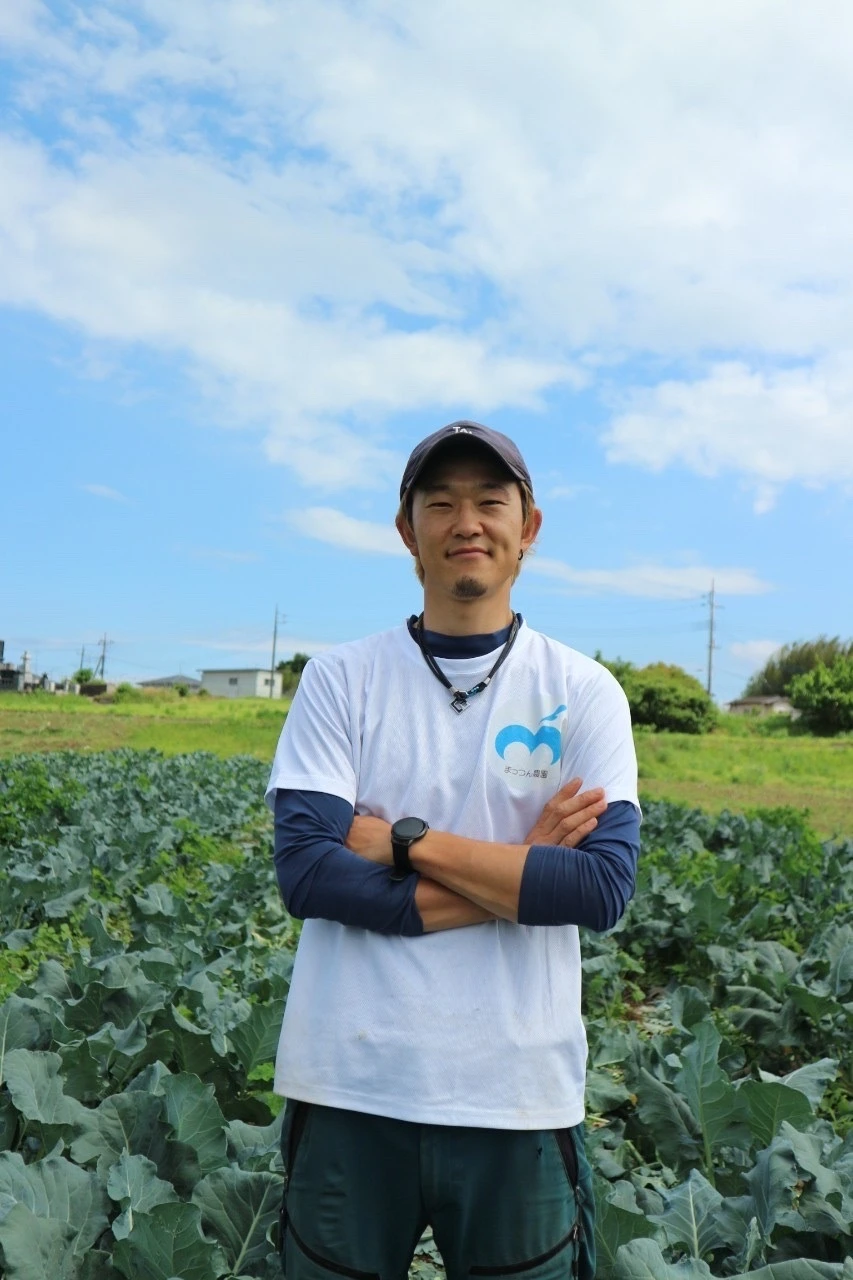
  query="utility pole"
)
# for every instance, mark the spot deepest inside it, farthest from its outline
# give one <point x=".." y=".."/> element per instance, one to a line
<point x="100" y="669"/>
<point x="272" y="664"/>
<point x="82" y="657"/>
<point x="711" y="607"/>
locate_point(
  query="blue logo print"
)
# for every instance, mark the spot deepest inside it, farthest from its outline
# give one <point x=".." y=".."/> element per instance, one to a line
<point x="547" y="735"/>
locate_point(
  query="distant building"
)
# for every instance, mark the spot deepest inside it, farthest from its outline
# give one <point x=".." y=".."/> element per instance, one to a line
<point x="169" y="682"/>
<point x="21" y="679"/>
<point x="763" y="705"/>
<point x="241" y="682"/>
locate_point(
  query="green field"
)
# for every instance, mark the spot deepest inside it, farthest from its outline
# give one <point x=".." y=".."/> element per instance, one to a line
<point x="145" y="957"/>
<point x="739" y="767"/>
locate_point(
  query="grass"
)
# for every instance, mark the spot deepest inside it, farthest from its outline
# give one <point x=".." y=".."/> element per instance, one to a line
<point x="225" y="726"/>
<point x="740" y="767"/>
<point x="742" y="770"/>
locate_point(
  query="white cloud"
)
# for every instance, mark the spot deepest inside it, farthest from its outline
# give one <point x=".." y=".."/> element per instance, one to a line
<point x="166" y="250"/>
<point x="104" y="491"/>
<point x="321" y="232"/>
<point x="657" y="582"/>
<point x="776" y="426"/>
<point x="754" y="653"/>
<point x="325" y="524"/>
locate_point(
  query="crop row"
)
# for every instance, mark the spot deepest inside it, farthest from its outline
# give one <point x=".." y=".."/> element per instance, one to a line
<point x="147" y="956"/>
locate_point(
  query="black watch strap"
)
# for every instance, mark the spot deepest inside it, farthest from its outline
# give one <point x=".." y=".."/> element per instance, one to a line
<point x="404" y="833"/>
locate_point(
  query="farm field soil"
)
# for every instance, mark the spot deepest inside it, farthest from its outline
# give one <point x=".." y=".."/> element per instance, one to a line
<point x="739" y="770"/>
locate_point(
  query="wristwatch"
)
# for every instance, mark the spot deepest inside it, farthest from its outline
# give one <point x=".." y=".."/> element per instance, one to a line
<point x="404" y="833"/>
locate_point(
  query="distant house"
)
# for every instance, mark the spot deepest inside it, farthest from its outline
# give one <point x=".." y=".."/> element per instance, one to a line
<point x="169" y="682"/>
<point x="241" y="682"/>
<point x="764" y="705"/>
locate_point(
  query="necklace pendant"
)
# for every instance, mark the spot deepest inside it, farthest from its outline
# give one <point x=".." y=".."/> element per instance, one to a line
<point x="459" y="703"/>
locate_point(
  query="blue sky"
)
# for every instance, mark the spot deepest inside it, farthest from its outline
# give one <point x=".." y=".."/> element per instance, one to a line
<point x="252" y="251"/>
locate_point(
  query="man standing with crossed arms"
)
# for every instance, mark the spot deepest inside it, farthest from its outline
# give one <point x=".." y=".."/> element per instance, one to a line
<point x="452" y="799"/>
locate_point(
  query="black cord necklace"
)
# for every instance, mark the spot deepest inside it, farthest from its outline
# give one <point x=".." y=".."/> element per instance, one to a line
<point x="459" y="701"/>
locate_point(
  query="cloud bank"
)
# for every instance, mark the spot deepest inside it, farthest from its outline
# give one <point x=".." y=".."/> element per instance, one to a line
<point x="333" y="215"/>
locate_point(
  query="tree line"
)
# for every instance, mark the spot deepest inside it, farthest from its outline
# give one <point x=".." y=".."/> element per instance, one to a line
<point x="817" y="677"/>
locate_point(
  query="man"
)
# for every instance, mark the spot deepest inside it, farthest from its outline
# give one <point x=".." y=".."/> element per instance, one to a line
<point x="452" y="799"/>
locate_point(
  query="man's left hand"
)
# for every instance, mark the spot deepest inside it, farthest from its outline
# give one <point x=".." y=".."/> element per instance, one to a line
<point x="371" y="838"/>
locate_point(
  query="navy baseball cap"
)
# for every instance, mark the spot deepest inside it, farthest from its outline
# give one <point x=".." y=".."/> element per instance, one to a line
<point x="501" y="446"/>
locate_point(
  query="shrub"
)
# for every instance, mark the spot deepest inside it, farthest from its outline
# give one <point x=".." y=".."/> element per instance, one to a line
<point x="666" y="697"/>
<point x="128" y="693"/>
<point x="825" y="697"/>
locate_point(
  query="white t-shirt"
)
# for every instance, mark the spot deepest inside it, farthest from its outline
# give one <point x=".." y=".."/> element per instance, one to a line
<point x="473" y="1026"/>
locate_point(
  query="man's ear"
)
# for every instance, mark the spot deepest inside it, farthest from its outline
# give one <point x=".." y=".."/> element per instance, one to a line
<point x="532" y="525"/>
<point x="407" y="533"/>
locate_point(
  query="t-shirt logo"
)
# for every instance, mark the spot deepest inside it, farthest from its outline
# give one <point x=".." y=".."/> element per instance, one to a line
<point x="528" y="747"/>
<point x="546" y="735"/>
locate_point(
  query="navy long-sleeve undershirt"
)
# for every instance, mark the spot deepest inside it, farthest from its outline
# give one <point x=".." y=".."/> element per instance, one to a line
<point x="318" y="877"/>
<point x="590" y="885"/>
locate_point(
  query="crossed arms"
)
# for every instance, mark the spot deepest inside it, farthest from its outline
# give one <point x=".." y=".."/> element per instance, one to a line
<point x="576" y="866"/>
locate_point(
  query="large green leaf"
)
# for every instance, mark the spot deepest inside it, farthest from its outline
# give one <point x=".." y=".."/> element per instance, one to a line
<point x="690" y="1216"/>
<point x="36" y="1248"/>
<point x="772" y="1181"/>
<point x="826" y="1204"/>
<point x="603" y="1092"/>
<point x="709" y="909"/>
<point x="239" y="1208"/>
<point x="817" y="1004"/>
<point x="840" y="956"/>
<point x="168" y="1243"/>
<point x="34" y="1081"/>
<point x="769" y="1105"/>
<point x="688" y="1006"/>
<point x="615" y="1226"/>
<point x="192" y="1047"/>
<point x="134" y="1183"/>
<point x="669" y="1122"/>
<point x="198" y="1126"/>
<point x="720" y="1114"/>
<point x="643" y="1260"/>
<point x="253" y="1146"/>
<point x="255" y="1040"/>
<point x="811" y="1080"/>
<point x="22" y="1026"/>
<point x="737" y="1222"/>
<point x="131" y="1121"/>
<point x="57" y="1189"/>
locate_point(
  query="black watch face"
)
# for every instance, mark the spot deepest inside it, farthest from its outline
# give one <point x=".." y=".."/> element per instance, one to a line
<point x="409" y="829"/>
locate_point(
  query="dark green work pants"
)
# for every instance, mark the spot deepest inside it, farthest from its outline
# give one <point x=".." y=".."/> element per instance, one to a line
<point x="360" y="1189"/>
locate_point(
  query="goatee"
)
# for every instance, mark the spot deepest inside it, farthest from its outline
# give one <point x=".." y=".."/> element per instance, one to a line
<point x="468" y="589"/>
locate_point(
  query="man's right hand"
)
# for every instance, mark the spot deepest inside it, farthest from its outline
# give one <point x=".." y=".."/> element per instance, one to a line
<point x="569" y="816"/>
